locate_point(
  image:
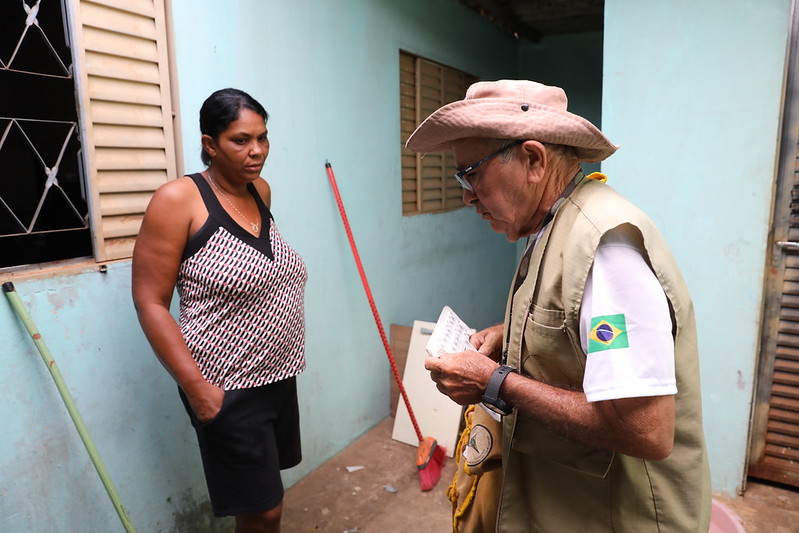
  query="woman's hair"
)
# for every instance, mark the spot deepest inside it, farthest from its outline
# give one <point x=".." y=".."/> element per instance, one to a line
<point x="222" y="108"/>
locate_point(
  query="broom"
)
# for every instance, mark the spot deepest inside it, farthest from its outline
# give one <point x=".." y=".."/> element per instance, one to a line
<point x="430" y="456"/>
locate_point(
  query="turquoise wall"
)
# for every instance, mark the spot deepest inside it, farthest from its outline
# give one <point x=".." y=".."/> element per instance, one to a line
<point x="48" y="483"/>
<point x="328" y="72"/>
<point x="692" y="92"/>
<point x="573" y="62"/>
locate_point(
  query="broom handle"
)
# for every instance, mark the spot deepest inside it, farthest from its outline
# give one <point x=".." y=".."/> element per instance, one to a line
<point x="19" y="307"/>
<point x="371" y="300"/>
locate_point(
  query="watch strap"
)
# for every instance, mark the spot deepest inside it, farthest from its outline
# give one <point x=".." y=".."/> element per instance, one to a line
<point x="491" y="394"/>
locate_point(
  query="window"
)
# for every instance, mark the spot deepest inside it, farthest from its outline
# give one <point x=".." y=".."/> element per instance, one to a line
<point x="43" y="205"/>
<point x="86" y="131"/>
<point x="427" y="182"/>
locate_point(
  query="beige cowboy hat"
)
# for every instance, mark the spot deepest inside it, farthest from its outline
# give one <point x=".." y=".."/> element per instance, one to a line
<point x="511" y="109"/>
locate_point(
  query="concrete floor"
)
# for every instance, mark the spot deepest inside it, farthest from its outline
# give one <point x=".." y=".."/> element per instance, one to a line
<point x="384" y="495"/>
<point x="766" y="508"/>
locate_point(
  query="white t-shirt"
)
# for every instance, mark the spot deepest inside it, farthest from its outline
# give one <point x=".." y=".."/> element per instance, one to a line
<point x="625" y="324"/>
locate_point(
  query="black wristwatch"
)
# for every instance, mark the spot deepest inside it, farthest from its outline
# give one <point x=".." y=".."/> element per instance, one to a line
<point x="491" y="397"/>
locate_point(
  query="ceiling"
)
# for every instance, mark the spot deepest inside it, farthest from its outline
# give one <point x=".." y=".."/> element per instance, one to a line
<point x="534" y="19"/>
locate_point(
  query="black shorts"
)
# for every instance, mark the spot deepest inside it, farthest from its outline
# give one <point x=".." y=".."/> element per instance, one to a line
<point x="255" y="435"/>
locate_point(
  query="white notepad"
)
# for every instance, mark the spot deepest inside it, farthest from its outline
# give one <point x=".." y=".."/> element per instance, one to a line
<point x="451" y="334"/>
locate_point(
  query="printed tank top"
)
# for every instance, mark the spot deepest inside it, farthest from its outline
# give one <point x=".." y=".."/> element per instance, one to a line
<point x="241" y="299"/>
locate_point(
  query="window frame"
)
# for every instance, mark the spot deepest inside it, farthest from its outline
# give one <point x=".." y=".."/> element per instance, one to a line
<point x="114" y="221"/>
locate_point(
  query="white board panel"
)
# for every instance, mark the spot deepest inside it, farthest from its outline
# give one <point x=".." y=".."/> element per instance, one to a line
<point x="437" y="415"/>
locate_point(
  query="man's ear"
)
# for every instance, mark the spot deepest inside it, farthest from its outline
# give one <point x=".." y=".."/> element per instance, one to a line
<point x="208" y="145"/>
<point x="536" y="159"/>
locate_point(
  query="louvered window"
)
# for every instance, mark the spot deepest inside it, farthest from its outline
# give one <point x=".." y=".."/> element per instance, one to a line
<point x="427" y="182"/>
<point x="43" y="202"/>
<point x="75" y="180"/>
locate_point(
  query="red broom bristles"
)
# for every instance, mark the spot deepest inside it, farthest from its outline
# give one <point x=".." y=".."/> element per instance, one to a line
<point x="430" y="457"/>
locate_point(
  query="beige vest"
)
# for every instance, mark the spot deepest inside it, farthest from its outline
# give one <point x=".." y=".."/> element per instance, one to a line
<point x="554" y="484"/>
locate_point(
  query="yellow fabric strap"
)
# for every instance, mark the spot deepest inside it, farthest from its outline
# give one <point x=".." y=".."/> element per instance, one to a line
<point x="597" y="176"/>
<point x="452" y="490"/>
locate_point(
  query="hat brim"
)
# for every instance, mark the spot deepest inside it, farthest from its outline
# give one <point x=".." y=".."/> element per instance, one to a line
<point x="501" y="118"/>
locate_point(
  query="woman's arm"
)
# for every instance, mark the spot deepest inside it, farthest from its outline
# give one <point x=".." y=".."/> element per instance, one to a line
<point x="168" y="222"/>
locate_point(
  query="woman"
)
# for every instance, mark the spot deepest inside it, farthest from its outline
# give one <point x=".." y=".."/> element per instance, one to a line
<point x="239" y="343"/>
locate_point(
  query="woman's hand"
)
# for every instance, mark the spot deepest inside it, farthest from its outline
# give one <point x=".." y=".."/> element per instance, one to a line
<point x="205" y="400"/>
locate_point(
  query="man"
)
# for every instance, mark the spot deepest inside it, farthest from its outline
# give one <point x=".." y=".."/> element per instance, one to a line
<point x="595" y="367"/>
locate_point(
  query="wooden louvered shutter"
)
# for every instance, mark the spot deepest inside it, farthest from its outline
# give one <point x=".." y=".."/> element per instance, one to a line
<point x="775" y="440"/>
<point x="427" y="182"/>
<point x="407" y="125"/>
<point x="124" y="95"/>
<point x="774" y="448"/>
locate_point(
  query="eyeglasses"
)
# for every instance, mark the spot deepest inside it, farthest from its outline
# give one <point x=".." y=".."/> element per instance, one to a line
<point x="461" y="174"/>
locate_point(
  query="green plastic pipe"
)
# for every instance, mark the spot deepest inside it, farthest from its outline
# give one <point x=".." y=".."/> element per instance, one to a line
<point x="22" y="313"/>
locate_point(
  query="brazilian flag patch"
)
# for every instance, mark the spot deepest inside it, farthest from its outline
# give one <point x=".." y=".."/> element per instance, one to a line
<point x="607" y="332"/>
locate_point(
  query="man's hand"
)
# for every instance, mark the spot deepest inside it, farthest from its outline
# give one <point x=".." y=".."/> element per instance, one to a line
<point x="462" y="376"/>
<point x="489" y="342"/>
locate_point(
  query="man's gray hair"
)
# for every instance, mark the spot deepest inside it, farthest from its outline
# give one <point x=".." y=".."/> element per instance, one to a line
<point x="569" y="152"/>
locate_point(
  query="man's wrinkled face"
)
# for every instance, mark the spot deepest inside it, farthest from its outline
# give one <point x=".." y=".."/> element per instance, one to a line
<point x="504" y="191"/>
